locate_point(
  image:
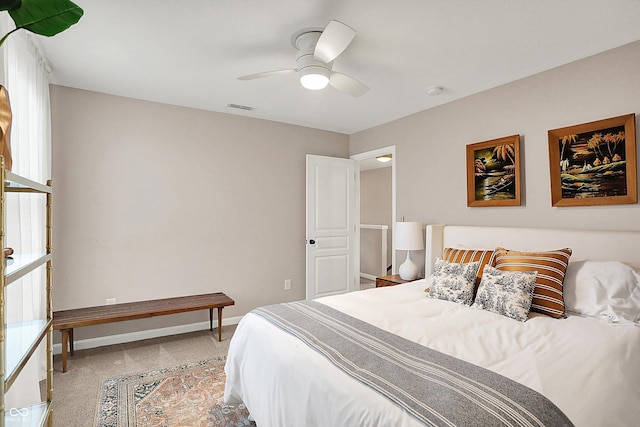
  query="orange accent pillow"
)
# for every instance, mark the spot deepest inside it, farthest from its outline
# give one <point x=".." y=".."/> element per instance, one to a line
<point x="459" y="256"/>
<point x="551" y="267"/>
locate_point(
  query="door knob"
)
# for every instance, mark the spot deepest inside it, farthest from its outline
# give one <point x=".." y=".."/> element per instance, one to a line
<point x="312" y="242"/>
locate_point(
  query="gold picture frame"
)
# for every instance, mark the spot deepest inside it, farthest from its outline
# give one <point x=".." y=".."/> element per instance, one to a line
<point x="493" y="172"/>
<point x="594" y="163"/>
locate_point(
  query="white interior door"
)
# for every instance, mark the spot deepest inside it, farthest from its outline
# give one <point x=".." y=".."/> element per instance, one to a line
<point x="332" y="219"/>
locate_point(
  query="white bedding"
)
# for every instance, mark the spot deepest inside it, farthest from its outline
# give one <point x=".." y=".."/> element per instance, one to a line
<point x="588" y="368"/>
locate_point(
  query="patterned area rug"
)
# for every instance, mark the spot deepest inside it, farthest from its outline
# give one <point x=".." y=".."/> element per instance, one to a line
<point x="188" y="395"/>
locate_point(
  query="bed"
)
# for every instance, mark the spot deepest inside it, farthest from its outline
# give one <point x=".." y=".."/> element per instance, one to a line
<point x="583" y="364"/>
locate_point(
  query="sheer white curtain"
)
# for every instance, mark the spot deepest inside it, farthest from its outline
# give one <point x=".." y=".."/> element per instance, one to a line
<point x="27" y="82"/>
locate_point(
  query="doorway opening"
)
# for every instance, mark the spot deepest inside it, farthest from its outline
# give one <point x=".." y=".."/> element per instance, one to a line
<point x="376" y="198"/>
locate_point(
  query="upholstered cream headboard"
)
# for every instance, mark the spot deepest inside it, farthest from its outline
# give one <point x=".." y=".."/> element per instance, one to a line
<point x="586" y="244"/>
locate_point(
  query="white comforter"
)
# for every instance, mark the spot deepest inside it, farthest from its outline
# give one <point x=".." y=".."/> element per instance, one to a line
<point x="588" y="368"/>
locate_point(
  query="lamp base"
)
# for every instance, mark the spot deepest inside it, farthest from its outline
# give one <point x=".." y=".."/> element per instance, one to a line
<point x="408" y="270"/>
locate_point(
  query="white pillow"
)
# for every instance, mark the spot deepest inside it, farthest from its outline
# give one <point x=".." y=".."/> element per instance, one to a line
<point x="508" y="293"/>
<point x="608" y="290"/>
<point x="452" y="281"/>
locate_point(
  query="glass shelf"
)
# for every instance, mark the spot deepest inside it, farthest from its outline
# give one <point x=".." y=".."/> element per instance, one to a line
<point x="17" y="184"/>
<point x="34" y="415"/>
<point x="20" y="264"/>
<point x="22" y="339"/>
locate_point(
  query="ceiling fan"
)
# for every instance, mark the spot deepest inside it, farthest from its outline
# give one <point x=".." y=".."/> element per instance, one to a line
<point x="317" y="49"/>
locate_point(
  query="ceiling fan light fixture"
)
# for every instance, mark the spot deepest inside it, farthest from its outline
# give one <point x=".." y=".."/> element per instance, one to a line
<point x="317" y="49"/>
<point x="314" y="78"/>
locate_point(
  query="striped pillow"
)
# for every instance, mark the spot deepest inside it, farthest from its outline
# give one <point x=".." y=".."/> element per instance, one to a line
<point x="551" y="267"/>
<point x="464" y="256"/>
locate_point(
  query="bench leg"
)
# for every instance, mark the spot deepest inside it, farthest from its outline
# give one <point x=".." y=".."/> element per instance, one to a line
<point x="219" y="324"/>
<point x="67" y="346"/>
<point x="65" y="343"/>
<point x="211" y="319"/>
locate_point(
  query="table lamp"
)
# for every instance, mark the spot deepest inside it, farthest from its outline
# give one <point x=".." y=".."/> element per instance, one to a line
<point x="408" y="237"/>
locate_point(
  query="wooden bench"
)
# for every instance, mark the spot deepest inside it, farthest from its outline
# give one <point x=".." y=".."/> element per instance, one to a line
<point x="66" y="320"/>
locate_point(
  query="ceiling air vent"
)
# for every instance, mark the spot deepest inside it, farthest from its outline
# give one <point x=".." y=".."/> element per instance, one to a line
<point x="241" y="107"/>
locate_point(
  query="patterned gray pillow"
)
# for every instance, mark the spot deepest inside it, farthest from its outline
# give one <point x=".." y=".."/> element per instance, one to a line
<point x="508" y="293"/>
<point x="453" y="281"/>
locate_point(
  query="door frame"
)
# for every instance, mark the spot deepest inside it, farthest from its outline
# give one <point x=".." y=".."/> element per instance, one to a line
<point x="370" y="155"/>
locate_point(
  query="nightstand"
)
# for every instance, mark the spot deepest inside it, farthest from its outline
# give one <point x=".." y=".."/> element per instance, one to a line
<point x="389" y="281"/>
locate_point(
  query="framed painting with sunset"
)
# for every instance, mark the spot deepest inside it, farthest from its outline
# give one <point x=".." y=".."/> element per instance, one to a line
<point x="493" y="172"/>
<point x="594" y="163"/>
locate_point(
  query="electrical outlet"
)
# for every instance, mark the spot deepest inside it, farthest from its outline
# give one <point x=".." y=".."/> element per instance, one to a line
<point x="287" y="285"/>
<point x="110" y="301"/>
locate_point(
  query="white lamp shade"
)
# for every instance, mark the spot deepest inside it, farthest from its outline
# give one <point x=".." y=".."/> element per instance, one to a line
<point x="408" y="236"/>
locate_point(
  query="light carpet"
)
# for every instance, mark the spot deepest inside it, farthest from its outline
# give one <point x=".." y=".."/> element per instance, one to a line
<point x="186" y="395"/>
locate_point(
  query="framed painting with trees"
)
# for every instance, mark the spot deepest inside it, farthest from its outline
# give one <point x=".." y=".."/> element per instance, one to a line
<point x="594" y="163"/>
<point x="493" y="172"/>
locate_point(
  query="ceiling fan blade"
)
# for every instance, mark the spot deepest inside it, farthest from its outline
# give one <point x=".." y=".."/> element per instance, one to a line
<point x="267" y="74"/>
<point x="333" y="41"/>
<point x="347" y="84"/>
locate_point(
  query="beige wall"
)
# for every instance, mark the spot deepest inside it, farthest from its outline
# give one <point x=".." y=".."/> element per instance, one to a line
<point x="430" y="146"/>
<point x="155" y="201"/>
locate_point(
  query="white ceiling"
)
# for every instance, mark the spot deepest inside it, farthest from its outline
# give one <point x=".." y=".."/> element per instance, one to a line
<point x="190" y="52"/>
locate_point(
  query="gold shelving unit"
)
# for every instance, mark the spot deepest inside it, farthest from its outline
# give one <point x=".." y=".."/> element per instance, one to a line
<point x="19" y="341"/>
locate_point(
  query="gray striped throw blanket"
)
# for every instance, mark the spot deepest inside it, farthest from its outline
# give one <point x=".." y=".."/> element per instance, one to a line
<point x="435" y="388"/>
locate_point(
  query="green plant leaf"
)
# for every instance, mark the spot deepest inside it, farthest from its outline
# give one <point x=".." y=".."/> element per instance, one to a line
<point x="46" y="17"/>
<point x="10" y="4"/>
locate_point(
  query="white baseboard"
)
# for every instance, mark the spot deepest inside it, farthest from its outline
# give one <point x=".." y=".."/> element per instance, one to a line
<point x="143" y="335"/>
<point x="367" y="276"/>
